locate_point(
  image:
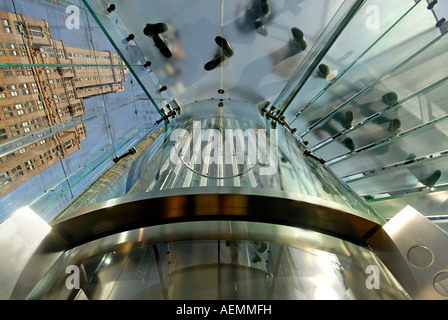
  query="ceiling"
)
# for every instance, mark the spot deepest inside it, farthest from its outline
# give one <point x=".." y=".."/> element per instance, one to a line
<point x="378" y="118"/>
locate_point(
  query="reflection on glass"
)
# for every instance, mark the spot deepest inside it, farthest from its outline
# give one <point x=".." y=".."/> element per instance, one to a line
<point x="298" y="266"/>
<point x="65" y="102"/>
<point x="366" y="68"/>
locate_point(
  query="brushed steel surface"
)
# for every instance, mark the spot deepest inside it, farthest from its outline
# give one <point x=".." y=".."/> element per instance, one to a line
<point x="414" y="250"/>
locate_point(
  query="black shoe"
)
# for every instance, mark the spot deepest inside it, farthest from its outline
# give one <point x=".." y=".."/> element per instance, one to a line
<point x="157" y="28"/>
<point x="349" y="144"/>
<point x="212" y="64"/>
<point x="431" y="181"/>
<point x="394" y="126"/>
<point x="390" y="98"/>
<point x="264" y="7"/>
<point x="324" y="71"/>
<point x="348" y="120"/>
<point x="224" y="44"/>
<point x="160" y="43"/>
<point x="298" y="38"/>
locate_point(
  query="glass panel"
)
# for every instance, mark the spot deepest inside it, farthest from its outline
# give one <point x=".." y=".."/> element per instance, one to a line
<point x="190" y="36"/>
<point x="422" y="108"/>
<point x="276" y="164"/>
<point x="412" y="145"/>
<point x="70" y="105"/>
<point x="430" y="204"/>
<point x="412" y="75"/>
<point x="426" y="173"/>
<point x="289" y="264"/>
<point x="124" y="42"/>
<point x="345" y="13"/>
<point x="371" y="64"/>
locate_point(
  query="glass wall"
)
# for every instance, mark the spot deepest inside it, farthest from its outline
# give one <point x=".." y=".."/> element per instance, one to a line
<point x="230" y="144"/>
<point x="69" y="105"/>
<point x="250" y="261"/>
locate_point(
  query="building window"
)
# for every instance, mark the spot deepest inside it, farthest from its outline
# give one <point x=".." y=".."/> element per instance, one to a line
<point x="11" y="46"/>
<point x="3" y="135"/>
<point x="7" y="73"/>
<point x="4" y="178"/>
<point x="18" y="106"/>
<point x="7" y="29"/>
<point x="14" y="93"/>
<point x="35" y="28"/>
<point x="13" y="53"/>
<point x="2" y="95"/>
<point x="2" y="53"/>
<point x="5" y="22"/>
<point x="20" y="112"/>
<point x="37" y="34"/>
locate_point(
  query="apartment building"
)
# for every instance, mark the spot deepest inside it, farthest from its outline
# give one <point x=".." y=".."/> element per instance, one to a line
<point x="44" y="83"/>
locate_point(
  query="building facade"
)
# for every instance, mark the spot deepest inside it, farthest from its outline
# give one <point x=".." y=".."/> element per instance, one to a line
<point x="43" y="83"/>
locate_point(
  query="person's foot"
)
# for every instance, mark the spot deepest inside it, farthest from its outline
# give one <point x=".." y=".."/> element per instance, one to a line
<point x="161" y="45"/>
<point x="323" y="71"/>
<point x="264" y="7"/>
<point x="431" y="181"/>
<point x="394" y="125"/>
<point x="390" y="98"/>
<point x="260" y="27"/>
<point x="299" y="38"/>
<point x="224" y="44"/>
<point x="348" y="120"/>
<point x="157" y="28"/>
<point x="214" y="63"/>
<point x="348" y="142"/>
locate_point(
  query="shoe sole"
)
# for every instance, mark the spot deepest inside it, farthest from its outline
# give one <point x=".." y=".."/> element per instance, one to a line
<point x="264" y="7"/>
<point x="301" y="44"/>
<point x="349" y="144"/>
<point x="324" y="70"/>
<point x="153" y="29"/>
<point x="213" y="64"/>
<point x="160" y="43"/>
<point x="297" y="34"/>
<point x="226" y="47"/>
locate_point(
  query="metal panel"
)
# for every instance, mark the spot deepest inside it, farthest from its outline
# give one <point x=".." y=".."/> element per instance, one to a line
<point x="414" y="250"/>
<point x="19" y="237"/>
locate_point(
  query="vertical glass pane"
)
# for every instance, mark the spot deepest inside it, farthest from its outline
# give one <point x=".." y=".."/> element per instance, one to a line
<point x="71" y="105"/>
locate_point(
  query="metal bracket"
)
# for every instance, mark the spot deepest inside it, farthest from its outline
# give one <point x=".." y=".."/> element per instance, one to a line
<point x="275" y="116"/>
<point x="172" y="113"/>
